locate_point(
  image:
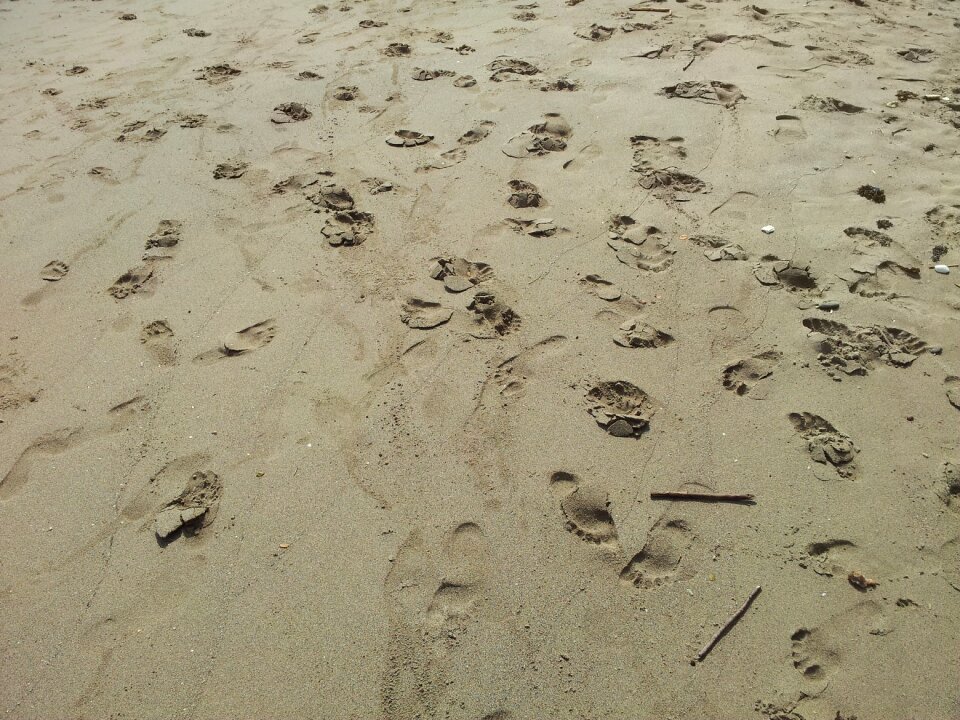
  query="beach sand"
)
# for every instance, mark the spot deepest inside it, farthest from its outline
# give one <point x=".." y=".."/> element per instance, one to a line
<point x="342" y="348"/>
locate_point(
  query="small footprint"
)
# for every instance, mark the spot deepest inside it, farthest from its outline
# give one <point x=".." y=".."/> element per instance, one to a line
<point x="51" y="444"/>
<point x="157" y="338"/>
<point x="635" y="333"/>
<point x="952" y="385"/>
<point x="789" y="129"/>
<point x="424" y="314"/>
<point x="134" y="281"/>
<point x="620" y="408"/>
<point x="586" y="511"/>
<point x="193" y="510"/>
<point x="464" y="568"/>
<point x="826" y="444"/>
<point x="658" y="563"/>
<point x="241" y="342"/>
<point x="54" y="270"/>
<point x="493" y="317"/>
<point x="742" y="376"/>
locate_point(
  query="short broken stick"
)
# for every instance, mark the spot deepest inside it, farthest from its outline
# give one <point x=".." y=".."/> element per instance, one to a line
<point x="703" y="497"/>
<point x="726" y="627"/>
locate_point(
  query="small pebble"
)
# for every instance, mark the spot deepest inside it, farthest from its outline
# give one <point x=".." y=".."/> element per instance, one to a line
<point x="935" y="350"/>
<point x="831" y="305"/>
<point x="942" y="269"/>
<point x="909" y="418"/>
<point x="767" y="229"/>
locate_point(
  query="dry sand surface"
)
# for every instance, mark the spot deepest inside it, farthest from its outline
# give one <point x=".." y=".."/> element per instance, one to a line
<point x="343" y="347"/>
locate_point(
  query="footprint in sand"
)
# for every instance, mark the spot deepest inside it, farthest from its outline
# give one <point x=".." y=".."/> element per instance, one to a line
<point x="52" y="443"/>
<point x="397" y="49"/>
<point x="811" y="656"/>
<point x="620" y="408"/>
<point x="157" y="338"/>
<point x="854" y="350"/>
<point x="825" y="444"/>
<point x="828" y="104"/>
<point x="230" y="170"/>
<point x="510" y="378"/>
<point x="713" y="92"/>
<point x="476" y="134"/>
<point x="217" y="74"/>
<point x="163" y="239"/>
<point x="602" y="288"/>
<point x="950" y="491"/>
<point x="196" y="32"/>
<point x="505" y="68"/>
<point x="192" y="511"/>
<point x="595" y="32"/>
<point x="586" y="510"/>
<point x="464" y="568"/>
<point x="774" y="272"/>
<point x="718" y="249"/>
<point x="545" y="137"/>
<point x="818" y="652"/>
<point x="290" y="112"/>
<point x="789" y="129"/>
<point x="524" y="195"/>
<point x="458" y="274"/>
<point x="542" y="227"/>
<point x="134" y="281"/>
<point x="492" y="317"/>
<point x="658" y="563"/>
<point x="742" y="376"/>
<point x="454" y="156"/>
<point x="644" y="247"/>
<point x="635" y="333"/>
<point x="54" y="270"/>
<point x="423" y="75"/>
<point x="408" y="138"/>
<point x="952" y="387"/>
<point x="654" y="160"/>
<point x="423" y="314"/>
<point x="829" y="557"/>
<point x="241" y="342"/>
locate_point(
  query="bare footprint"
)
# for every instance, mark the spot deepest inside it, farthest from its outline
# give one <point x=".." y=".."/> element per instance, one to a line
<point x="54" y="270"/>
<point x="789" y="129"/>
<point x="742" y="376"/>
<point x="424" y="314"/>
<point x="952" y="385"/>
<point x="134" y="281"/>
<point x="658" y="563"/>
<point x="193" y="510"/>
<point x="620" y="408"/>
<point x="464" y="568"/>
<point x="493" y="317"/>
<point x="635" y="333"/>
<point x="603" y="289"/>
<point x="53" y="443"/>
<point x="241" y="342"/>
<point x="826" y="445"/>
<point x="853" y="350"/>
<point x="157" y="338"/>
<point x="458" y="274"/>
<point x="586" y="511"/>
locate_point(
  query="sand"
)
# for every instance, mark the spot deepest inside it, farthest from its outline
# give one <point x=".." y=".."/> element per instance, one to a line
<point x="342" y="348"/>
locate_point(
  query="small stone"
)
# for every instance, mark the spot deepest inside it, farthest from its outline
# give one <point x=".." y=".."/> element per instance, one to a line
<point x="831" y="305"/>
<point x="767" y="229"/>
<point x="620" y="428"/>
<point x="935" y="350"/>
<point x="942" y="269"/>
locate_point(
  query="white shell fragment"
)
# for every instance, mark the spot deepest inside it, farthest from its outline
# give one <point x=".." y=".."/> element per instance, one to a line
<point x="767" y="229"/>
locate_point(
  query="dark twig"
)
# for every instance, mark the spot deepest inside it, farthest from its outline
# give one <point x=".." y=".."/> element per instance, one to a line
<point x="703" y="497"/>
<point x="726" y="628"/>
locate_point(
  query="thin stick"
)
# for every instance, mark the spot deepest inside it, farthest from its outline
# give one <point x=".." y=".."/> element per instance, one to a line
<point x="726" y="628"/>
<point x="703" y="497"/>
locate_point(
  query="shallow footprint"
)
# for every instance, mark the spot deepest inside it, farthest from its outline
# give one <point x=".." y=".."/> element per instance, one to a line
<point x="464" y="571"/>
<point x="659" y="561"/>
<point x="952" y="384"/>
<point x="157" y="338"/>
<point x="408" y="138"/>
<point x="241" y="342"/>
<point x="603" y="289"/>
<point x="494" y="317"/>
<point x="743" y="375"/>
<point x="424" y="314"/>
<point x="133" y="281"/>
<point x="789" y="129"/>
<point x="586" y="510"/>
<point x="194" y="509"/>
<point x="54" y="270"/>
